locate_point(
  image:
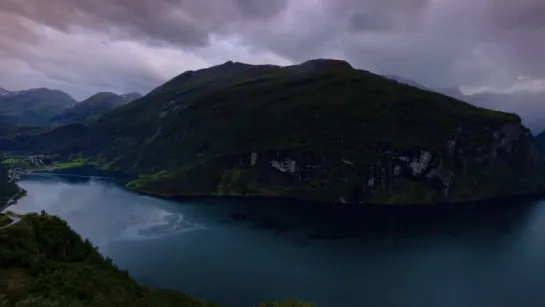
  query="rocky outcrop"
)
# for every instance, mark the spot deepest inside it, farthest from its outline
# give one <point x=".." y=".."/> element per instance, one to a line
<point x="475" y="163"/>
<point x="503" y="161"/>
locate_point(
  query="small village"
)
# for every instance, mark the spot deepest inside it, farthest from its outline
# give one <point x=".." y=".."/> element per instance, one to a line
<point x="23" y="164"/>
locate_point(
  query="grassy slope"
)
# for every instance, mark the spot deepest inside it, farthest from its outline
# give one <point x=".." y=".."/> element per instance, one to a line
<point x="42" y="259"/>
<point x="265" y="108"/>
<point x="43" y="263"/>
<point x="12" y="130"/>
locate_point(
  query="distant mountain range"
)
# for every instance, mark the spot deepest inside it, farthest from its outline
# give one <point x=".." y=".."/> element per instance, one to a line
<point x="530" y="106"/>
<point x="43" y="106"/>
<point x="3" y="91"/>
<point x="32" y="107"/>
<point x="93" y="107"/>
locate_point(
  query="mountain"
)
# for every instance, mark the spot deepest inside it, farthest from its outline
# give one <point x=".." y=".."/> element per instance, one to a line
<point x="453" y="92"/>
<point x="32" y="107"/>
<point x="11" y="134"/>
<point x="94" y="106"/>
<point x="540" y="139"/>
<point x="407" y="81"/>
<point x="131" y="96"/>
<point x="320" y="131"/>
<point x="12" y="130"/>
<point x="43" y="262"/>
<point x="3" y="91"/>
<point x="527" y="104"/>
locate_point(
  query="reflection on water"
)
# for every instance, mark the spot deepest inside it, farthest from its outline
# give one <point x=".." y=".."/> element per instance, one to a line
<point x="105" y="219"/>
<point x="238" y="252"/>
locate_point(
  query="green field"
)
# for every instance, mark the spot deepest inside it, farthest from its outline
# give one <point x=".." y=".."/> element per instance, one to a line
<point x="17" y="162"/>
<point x="23" y="162"/>
<point x="70" y="164"/>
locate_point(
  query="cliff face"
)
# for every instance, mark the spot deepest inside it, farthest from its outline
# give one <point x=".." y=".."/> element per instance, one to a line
<point x="503" y="161"/>
<point x="540" y="139"/>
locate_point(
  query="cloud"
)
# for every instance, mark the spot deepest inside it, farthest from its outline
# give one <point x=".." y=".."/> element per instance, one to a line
<point x="84" y="46"/>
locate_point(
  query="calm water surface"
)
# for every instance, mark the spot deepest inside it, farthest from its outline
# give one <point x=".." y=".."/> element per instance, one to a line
<point x="238" y="253"/>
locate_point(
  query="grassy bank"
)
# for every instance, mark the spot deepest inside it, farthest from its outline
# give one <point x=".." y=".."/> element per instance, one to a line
<point x="17" y="162"/>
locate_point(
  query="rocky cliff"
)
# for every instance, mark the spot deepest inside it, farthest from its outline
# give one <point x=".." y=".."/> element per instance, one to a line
<point x="504" y="161"/>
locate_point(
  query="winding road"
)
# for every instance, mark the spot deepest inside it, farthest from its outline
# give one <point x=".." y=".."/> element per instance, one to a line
<point x="14" y="220"/>
<point x="9" y="202"/>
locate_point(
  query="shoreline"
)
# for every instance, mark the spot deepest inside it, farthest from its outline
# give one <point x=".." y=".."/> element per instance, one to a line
<point x="123" y="178"/>
<point x="486" y="201"/>
<point x="13" y="200"/>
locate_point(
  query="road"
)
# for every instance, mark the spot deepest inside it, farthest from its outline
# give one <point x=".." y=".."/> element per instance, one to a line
<point x="14" y="220"/>
<point x="10" y="201"/>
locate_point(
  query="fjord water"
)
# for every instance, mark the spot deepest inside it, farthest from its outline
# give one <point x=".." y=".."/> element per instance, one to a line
<point x="240" y="252"/>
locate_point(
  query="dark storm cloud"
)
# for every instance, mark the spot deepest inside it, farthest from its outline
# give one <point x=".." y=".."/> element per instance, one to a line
<point x="182" y="22"/>
<point x="152" y="20"/>
<point x="517" y="14"/>
<point x="365" y="21"/>
<point x="260" y="8"/>
<point x="517" y="35"/>
<point x="435" y="42"/>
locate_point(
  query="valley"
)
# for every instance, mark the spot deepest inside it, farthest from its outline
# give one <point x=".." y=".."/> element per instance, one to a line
<point x="272" y="153"/>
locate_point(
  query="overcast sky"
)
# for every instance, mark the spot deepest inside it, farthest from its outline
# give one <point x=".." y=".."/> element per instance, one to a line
<point x="85" y="46"/>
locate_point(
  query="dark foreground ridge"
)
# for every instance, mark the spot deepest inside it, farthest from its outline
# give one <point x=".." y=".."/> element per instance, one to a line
<point x="320" y="131"/>
<point x="44" y="263"/>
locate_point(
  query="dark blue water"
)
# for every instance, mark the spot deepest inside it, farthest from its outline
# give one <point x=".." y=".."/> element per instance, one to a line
<point x="239" y="252"/>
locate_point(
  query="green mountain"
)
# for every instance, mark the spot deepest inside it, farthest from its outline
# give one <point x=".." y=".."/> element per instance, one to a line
<point x="13" y="130"/>
<point x="32" y="107"/>
<point x="321" y="130"/>
<point x="44" y="263"/>
<point x="12" y="134"/>
<point x="94" y="106"/>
